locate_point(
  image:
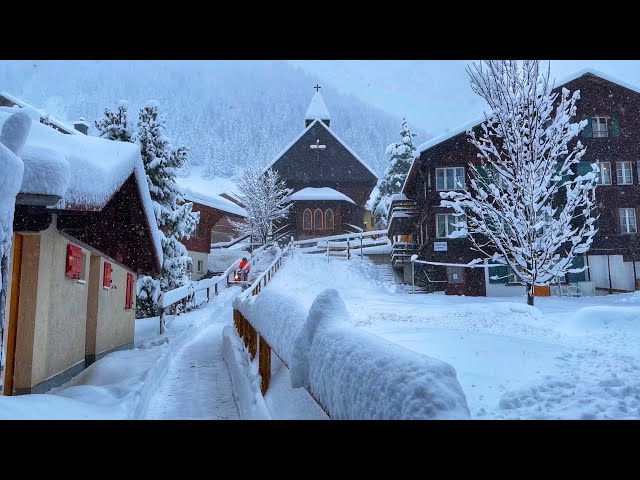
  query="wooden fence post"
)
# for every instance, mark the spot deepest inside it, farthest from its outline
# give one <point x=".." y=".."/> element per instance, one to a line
<point x="215" y="288"/>
<point x="264" y="364"/>
<point x="208" y="295"/>
<point x="252" y="337"/>
<point x="162" y="320"/>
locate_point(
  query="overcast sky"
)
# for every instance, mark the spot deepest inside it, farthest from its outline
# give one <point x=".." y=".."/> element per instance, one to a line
<point x="433" y="94"/>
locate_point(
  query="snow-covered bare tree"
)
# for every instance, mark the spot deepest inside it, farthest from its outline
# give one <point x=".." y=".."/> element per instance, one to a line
<point x="173" y="215"/>
<point x="12" y="138"/>
<point x="116" y="125"/>
<point x="526" y="208"/>
<point x="402" y="154"/>
<point x="266" y="200"/>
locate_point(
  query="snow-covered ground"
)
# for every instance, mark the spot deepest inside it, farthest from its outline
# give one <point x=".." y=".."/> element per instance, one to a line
<point x="563" y="358"/>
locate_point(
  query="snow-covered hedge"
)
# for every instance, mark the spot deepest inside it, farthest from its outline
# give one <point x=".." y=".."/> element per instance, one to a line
<point x="354" y="374"/>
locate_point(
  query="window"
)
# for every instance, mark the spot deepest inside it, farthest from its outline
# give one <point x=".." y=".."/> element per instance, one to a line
<point x="455" y="274"/>
<point x="446" y="224"/>
<point x="628" y="220"/>
<point x="129" y="294"/>
<point x="106" y="275"/>
<point x="450" y="178"/>
<point x="328" y="219"/>
<point x="604" y="175"/>
<point x="317" y="219"/>
<point x="306" y="220"/>
<point x="599" y="127"/>
<point x="623" y="173"/>
<point x="200" y="266"/>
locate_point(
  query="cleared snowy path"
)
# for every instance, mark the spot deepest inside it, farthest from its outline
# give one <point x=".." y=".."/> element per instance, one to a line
<point x="197" y="385"/>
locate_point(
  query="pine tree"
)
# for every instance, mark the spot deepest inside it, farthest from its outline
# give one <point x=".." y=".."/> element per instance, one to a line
<point x="173" y="215"/>
<point x="401" y="158"/>
<point x="115" y="125"/>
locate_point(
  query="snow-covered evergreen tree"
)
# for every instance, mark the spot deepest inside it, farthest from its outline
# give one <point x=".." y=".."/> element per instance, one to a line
<point x="173" y="215"/>
<point x="391" y="183"/>
<point x="12" y="138"/>
<point x="527" y="207"/>
<point x="265" y="198"/>
<point x="116" y="125"/>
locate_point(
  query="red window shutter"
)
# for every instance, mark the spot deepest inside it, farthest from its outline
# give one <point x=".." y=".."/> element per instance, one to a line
<point x="128" y="303"/>
<point x="74" y="261"/>
<point x="106" y="278"/>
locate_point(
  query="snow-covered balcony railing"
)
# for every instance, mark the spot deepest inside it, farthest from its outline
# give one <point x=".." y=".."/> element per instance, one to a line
<point x="402" y="251"/>
<point x="402" y="214"/>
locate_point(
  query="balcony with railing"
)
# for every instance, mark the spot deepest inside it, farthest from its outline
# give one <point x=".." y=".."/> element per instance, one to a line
<point x="402" y="215"/>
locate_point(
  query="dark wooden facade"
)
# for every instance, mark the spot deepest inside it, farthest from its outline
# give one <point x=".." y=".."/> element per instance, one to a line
<point x="598" y="98"/>
<point x="120" y="230"/>
<point x="333" y="166"/>
<point x="200" y="241"/>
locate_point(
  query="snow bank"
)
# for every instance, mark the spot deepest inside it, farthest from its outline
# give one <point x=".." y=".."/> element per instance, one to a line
<point x="244" y="377"/>
<point x="604" y="319"/>
<point x="276" y="317"/>
<point x="112" y="388"/>
<point x="357" y="375"/>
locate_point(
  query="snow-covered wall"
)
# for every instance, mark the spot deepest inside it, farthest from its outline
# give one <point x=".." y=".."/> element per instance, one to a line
<point x="352" y="373"/>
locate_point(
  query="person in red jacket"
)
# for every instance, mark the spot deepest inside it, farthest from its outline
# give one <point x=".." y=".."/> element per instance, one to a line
<point x="244" y="268"/>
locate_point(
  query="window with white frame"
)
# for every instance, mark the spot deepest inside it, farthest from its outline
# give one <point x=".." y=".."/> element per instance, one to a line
<point x="599" y="127"/>
<point x="450" y="178"/>
<point x="604" y="175"/>
<point x="628" y="220"/>
<point x="623" y="173"/>
<point x="446" y="224"/>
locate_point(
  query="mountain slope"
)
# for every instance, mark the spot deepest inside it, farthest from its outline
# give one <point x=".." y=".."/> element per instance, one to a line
<point x="226" y="112"/>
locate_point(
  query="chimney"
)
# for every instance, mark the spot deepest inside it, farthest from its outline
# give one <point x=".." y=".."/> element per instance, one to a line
<point x="82" y="126"/>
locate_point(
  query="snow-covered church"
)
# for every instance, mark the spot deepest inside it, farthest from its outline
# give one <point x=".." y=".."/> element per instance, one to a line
<point x="331" y="183"/>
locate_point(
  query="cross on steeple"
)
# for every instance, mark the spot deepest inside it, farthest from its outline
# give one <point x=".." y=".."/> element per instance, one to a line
<point x="317" y="87"/>
<point x="317" y="147"/>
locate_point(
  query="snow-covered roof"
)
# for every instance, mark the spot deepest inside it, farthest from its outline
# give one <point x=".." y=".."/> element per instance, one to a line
<point x="42" y="114"/>
<point x="597" y="73"/>
<point x="84" y="171"/>
<point x="323" y="193"/>
<point x="214" y="201"/>
<point x="317" y="109"/>
<point x="334" y="136"/>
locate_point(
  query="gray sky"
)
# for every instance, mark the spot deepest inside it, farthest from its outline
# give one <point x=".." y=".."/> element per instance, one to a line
<point x="433" y="94"/>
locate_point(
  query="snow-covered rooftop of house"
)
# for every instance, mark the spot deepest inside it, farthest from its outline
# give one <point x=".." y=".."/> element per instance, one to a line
<point x="285" y="149"/>
<point x="323" y="193"/>
<point x="84" y="171"/>
<point x="42" y="114"/>
<point x="207" y="191"/>
<point x="317" y="109"/>
<point x="214" y="201"/>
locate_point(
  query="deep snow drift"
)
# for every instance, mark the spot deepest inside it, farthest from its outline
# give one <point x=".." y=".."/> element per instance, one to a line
<point x="565" y="358"/>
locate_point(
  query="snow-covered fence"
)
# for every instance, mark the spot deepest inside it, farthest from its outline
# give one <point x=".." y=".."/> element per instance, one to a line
<point x="257" y="345"/>
<point x="187" y="292"/>
<point x="351" y="373"/>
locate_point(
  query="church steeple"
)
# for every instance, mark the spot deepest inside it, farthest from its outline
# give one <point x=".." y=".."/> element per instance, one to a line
<point x="317" y="109"/>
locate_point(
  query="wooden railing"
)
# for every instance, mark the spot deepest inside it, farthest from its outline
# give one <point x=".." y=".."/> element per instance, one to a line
<point x="170" y="300"/>
<point x="256" y="344"/>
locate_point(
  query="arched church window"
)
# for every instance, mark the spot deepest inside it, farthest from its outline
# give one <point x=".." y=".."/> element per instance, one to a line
<point x="306" y="220"/>
<point x="317" y="219"/>
<point x="328" y="219"/>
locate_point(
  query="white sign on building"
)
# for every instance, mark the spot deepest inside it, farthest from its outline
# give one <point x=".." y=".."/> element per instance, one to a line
<point x="439" y="246"/>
